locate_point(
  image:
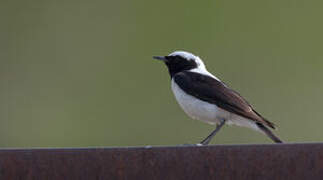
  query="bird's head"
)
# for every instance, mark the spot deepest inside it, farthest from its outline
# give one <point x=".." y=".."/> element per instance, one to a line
<point x="179" y="61"/>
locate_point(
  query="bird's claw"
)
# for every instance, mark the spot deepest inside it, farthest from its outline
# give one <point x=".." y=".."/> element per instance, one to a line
<point x="198" y="144"/>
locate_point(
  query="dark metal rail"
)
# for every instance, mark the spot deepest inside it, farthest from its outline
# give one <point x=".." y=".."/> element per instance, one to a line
<point x="271" y="161"/>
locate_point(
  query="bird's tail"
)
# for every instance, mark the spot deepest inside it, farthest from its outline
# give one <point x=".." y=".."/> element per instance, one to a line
<point x="270" y="134"/>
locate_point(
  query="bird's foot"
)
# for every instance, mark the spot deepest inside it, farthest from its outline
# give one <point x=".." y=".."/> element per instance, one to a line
<point x="199" y="144"/>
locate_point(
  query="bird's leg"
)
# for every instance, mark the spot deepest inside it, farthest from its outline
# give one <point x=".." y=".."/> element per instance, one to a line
<point x="207" y="140"/>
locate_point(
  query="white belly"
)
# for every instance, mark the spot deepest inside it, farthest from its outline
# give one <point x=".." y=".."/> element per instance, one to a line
<point x="197" y="109"/>
<point x="204" y="111"/>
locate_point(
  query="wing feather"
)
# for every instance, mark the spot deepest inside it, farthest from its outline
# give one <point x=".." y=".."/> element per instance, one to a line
<point x="213" y="91"/>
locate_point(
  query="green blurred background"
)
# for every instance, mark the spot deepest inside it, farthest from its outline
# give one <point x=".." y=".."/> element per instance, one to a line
<point x="81" y="73"/>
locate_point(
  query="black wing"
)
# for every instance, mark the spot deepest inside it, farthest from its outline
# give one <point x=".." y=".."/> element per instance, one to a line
<point x="213" y="91"/>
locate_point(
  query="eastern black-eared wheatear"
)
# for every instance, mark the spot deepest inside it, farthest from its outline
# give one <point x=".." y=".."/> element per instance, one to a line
<point x="204" y="97"/>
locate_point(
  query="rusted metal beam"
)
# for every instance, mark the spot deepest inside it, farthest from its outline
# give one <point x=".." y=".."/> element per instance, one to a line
<point x="271" y="161"/>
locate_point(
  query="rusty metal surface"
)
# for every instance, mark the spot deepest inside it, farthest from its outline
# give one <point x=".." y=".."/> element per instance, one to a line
<point x="276" y="161"/>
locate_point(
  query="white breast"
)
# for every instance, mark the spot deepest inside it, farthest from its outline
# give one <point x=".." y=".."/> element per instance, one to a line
<point x="204" y="111"/>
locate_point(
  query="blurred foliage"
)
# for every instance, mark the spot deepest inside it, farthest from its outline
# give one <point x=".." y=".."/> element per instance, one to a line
<point x="81" y="73"/>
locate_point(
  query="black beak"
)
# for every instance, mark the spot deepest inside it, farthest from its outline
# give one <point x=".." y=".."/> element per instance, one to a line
<point x="161" y="58"/>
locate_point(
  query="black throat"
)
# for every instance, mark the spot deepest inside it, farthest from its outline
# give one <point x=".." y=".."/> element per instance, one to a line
<point x="176" y="64"/>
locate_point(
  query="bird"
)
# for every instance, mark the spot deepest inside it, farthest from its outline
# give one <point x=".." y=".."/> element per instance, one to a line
<point x="205" y="97"/>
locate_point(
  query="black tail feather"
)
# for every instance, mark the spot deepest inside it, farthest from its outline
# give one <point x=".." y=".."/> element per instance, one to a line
<point x="270" y="134"/>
